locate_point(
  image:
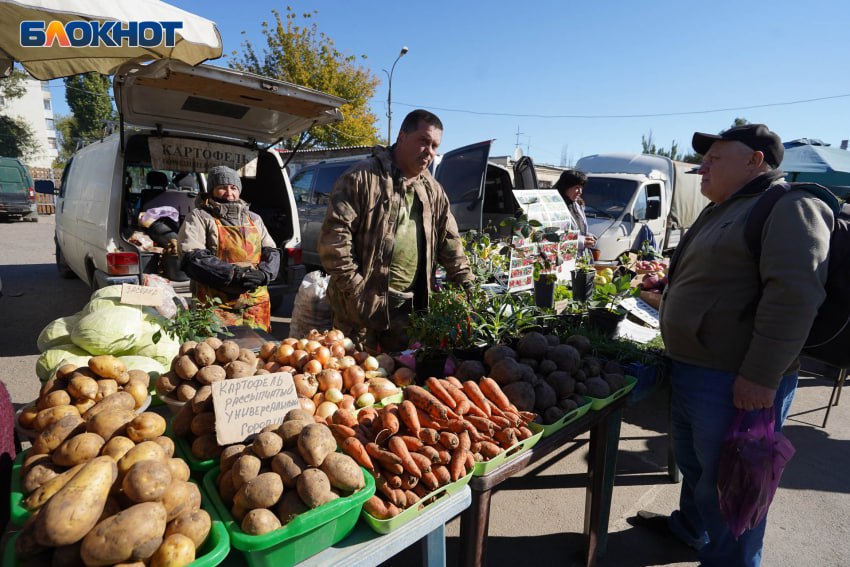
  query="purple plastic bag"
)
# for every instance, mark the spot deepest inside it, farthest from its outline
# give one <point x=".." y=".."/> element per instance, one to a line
<point x="751" y="464"/>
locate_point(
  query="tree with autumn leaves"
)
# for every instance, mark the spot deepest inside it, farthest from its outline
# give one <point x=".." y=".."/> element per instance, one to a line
<point x="303" y="55"/>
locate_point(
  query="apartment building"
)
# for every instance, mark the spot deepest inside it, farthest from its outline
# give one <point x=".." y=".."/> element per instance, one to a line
<point x="36" y="108"/>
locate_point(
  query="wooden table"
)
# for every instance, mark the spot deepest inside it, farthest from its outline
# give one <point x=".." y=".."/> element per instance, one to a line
<point x="604" y="427"/>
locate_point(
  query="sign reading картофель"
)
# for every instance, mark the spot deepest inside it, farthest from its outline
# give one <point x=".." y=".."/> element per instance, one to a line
<point x="180" y="154"/>
<point x="244" y="406"/>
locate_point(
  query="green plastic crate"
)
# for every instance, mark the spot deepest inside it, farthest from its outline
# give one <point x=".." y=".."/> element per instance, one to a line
<point x="568" y="418"/>
<point x="303" y="537"/>
<point x="386" y="526"/>
<point x="484" y="467"/>
<point x="599" y="403"/>
<point x="17" y="513"/>
<point x="183" y="449"/>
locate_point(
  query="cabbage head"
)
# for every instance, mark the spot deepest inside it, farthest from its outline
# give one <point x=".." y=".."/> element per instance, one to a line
<point x="108" y="292"/>
<point x="56" y="332"/>
<point x="52" y="358"/>
<point x="99" y="303"/>
<point x="163" y="352"/>
<point x="149" y="365"/>
<point x="114" y="330"/>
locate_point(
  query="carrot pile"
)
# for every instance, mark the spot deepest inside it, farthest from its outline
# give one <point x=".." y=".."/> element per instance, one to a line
<point x="432" y="438"/>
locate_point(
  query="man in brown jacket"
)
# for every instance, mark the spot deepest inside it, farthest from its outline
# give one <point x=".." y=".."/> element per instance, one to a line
<point x="387" y="226"/>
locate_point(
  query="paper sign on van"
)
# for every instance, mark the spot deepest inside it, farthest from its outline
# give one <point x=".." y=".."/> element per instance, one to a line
<point x="180" y="154"/>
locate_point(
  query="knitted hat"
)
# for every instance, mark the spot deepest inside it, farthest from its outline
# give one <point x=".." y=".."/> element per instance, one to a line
<point x="223" y="175"/>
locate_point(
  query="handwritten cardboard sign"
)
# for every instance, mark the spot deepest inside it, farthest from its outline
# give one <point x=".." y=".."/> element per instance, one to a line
<point x="141" y="295"/>
<point x="244" y="406"/>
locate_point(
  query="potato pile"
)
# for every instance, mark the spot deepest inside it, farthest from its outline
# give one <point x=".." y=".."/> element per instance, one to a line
<point x="104" y="487"/>
<point x="546" y="376"/>
<point x="73" y="391"/>
<point x="434" y="437"/>
<point x="285" y="471"/>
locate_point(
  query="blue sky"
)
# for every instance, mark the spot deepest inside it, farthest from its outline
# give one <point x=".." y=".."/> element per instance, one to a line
<point x="577" y="78"/>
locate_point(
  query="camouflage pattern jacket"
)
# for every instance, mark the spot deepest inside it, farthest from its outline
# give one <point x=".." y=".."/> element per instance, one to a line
<point x="358" y="234"/>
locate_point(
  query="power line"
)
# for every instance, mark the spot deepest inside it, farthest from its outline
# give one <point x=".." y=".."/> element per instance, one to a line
<point x="596" y="116"/>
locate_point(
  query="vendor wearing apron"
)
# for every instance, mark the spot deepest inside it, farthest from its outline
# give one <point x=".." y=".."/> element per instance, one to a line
<point x="228" y="253"/>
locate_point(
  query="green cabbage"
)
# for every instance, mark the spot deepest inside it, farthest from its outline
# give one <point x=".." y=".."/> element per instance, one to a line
<point x="163" y="352"/>
<point x="108" y="292"/>
<point x="114" y="330"/>
<point x="52" y="358"/>
<point x="99" y="303"/>
<point x="149" y="365"/>
<point x="56" y="332"/>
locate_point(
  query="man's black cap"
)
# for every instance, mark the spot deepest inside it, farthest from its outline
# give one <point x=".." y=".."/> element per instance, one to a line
<point x="756" y="136"/>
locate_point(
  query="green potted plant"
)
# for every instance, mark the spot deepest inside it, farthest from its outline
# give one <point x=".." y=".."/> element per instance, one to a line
<point x="446" y="325"/>
<point x="605" y="309"/>
<point x="582" y="277"/>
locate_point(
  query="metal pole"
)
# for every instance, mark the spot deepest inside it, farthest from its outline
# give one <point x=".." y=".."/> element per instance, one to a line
<point x="404" y="50"/>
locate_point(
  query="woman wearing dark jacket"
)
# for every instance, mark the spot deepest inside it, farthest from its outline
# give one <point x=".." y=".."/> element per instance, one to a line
<point x="570" y="186"/>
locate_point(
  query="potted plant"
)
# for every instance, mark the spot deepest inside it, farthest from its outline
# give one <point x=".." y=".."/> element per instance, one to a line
<point x="582" y="277"/>
<point x="605" y="310"/>
<point x="530" y="239"/>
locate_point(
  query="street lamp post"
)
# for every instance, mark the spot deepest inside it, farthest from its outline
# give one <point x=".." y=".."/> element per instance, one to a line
<point x="404" y="50"/>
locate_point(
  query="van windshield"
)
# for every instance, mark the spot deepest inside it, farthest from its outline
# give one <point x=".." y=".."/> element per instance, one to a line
<point x="607" y="197"/>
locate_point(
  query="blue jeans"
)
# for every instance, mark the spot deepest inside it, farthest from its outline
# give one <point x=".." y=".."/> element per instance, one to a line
<point x="702" y="411"/>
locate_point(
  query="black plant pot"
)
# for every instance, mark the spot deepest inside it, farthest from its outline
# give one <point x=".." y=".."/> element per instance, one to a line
<point x="469" y="353"/>
<point x="430" y="363"/>
<point x="544" y="293"/>
<point x="604" y="321"/>
<point x="582" y="285"/>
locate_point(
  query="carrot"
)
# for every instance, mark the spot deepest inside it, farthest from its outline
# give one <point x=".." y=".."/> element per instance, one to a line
<point x="494" y="409"/>
<point x="491" y="389"/>
<point x="412" y="443"/>
<point x="426" y="401"/>
<point x="460" y="425"/>
<point x="430" y="481"/>
<point x="341" y="432"/>
<point x="389" y="492"/>
<point x="454" y="391"/>
<point x="393" y="480"/>
<point x="345" y="417"/>
<point x="455" y="382"/>
<point x="524" y="433"/>
<point x="501" y="422"/>
<point x="464" y="441"/>
<point x="483" y="425"/>
<point x="439" y="392"/>
<point x="393" y="510"/>
<point x="431" y="453"/>
<point x="445" y="455"/>
<point x="398" y="447"/>
<point x="412" y="498"/>
<point x="477" y="411"/>
<point x="463" y="407"/>
<point x="448" y="439"/>
<point x="355" y="449"/>
<point x="407" y="414"/>
<point x="367" y="416"/>
<point x="513" y="417"/>
<point x="426" y="420"/>
<point x="458" y="463"/>
<point x="389" y="419"/>
<point x="443" y="475"/>
<point x="389" y="461"/>
<point x="489" y="450"/>
<point x="471" y="389"/>
<point x="506" y="437"/>
<point x="527" y="416"/>
<point x="423" y="462"/>
<point x="421" y="490"/>
<point x="470" y="461"/>
<point x="376" y="507"/>
<point x="408" y="481"/>
<point x="429" y="436"/>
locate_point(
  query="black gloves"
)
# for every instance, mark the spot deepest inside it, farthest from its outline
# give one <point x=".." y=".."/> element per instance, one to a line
<point x="252" y="279"/>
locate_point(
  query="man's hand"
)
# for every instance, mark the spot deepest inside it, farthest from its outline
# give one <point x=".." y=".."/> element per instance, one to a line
<point x="747" y="395"/>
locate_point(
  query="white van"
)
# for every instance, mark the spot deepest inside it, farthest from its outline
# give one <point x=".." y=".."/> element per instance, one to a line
<point x="177" y="121"/>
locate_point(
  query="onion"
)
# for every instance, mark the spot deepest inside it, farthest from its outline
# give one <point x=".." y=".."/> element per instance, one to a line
<point x="289" y="341"/>
<point x="360" y="356"/>
<point x="283" y="354"/>
<point x="272" y="366"/>
<point x="366" y="399"/>
<point x="287" y="368"/>
<point x="370" y="363"/>
<point x="312" y="345"/>
<point x="312" y="367"/>
<point x="337" y="350"/>
<point x="346" y="361"/>
<point x="322" y="354"/>
<point x="347" y="402"/>
<point x="333" y="395"/>
<point x="267" y="350"/>
<point x="349" y="345"/>
<point x="314" y="335"/>
<point x="302" y="344"/>
<point x="329" y="379"/>
<point x="298" y="359"/>
<point x="403" y="376"/>
<point x="333" y="364"/>
<point x="326" y="409"/>
<point x="359" y="389"/>
<point x="307" y="405"/>
<point x="379" y="373"/>
<point x="318" y="398"/>
<point x="353" y="375"/>
<point x="306" y="385"/>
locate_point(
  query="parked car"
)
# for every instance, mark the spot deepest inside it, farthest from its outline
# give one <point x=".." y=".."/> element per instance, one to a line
<point x="17" y="193"/>
<point x="480" y="192"/>
<point x="176" y="121"/>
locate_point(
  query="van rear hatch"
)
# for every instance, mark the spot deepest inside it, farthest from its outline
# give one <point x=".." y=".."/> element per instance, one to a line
<point x="15" y="194"/>
<point x="219" y="102"/>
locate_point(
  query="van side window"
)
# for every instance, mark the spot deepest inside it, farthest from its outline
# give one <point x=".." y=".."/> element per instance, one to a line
<point x="301" y="185"/>
<point x="65" y="172"/>
<point x="639" y="208"/>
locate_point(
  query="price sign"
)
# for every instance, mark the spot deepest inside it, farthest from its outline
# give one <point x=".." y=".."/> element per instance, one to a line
<point x="244" y="406"/>
<point x="141" y="295"/>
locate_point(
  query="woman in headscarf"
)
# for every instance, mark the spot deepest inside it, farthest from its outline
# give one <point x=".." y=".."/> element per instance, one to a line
<point x="570" y="186"/>
<point x="228" y="252"/>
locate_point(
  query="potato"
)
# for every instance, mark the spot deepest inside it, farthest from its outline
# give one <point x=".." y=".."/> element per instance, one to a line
<point x="56" y="398"/>
<point x="267" y="444"/>
<point x="27" y="546"/>
<point x="148" y="450"/>
<point x="139" y="391"/>
<point x="227" y="352"/>
<point x="167" y="383"/>
<point x="225" y="487"/>
<point x="187" y="390"/>
<point x="343" y="472"/>
<point x="203" y="423"/>
<point x="57" y="432"/>
<point x="239" y="369"/>
<point x="214" y="342"/>
<point x="289" y="465"/>
<point x="118" y="400"/>
<point x="146" y="426"/>
<point x="246" y="468"/>
<point x="107" y="366"/>
<point x="84" y="405"/>
<point x="290" y="506"/>
<point x="247" y="355"/>
<point x="181" y="423"/>
<point x="131" y="535"/>
<point x="179" y="469"/>
<point x="185" y="367"/>
<point x="80" y="448"/>
<point x="48" y="416"/>
<point x="73" y="511"/>
<point x="117" y="447"/>
<point x="211" y="374"/>
<point x="314" y="488"/>
<point x="27" y="417"/>
<point x="202" y="402"/>
<point x="261" y="492"/>
<point x="146" y="481"/>
<point x="176" y="550"/>
<point x="181" y="497"/>
<point x="195" y="525"/>
<point x="83" y="387"/>
<point x="290" y="430"/>
<point x="187" y="347"/>
<point x="259" y="521"/>
<point x="39" y="473"/>
<point x="229" y="455"/>
<point x="206" y="447"/>
<point x="203" y="355"/>
<point x="167" y="445"/>
<point x="315" y="442"/>
<point x="141" y="376"/>
<point x="105" y="387"/>
<point x="110" y="423"/>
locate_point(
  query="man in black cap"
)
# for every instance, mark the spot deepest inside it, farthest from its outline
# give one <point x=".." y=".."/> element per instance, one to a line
<point x="734" y="325"/>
